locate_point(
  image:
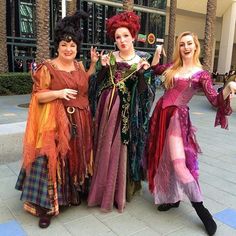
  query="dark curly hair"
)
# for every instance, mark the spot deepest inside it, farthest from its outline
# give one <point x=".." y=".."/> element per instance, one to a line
<point x="68" y="29"/>
<point x="124" y="19"/>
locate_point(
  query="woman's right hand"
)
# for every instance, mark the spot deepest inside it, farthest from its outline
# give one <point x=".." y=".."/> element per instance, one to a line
<point x="157" y="55"/>
<point x="105" y="59"/>
<point x="67" y="94"/>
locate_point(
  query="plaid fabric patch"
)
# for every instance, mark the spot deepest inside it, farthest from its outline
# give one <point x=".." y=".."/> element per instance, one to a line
<point x="38" y="190"/>
<point x="34" y="186"/>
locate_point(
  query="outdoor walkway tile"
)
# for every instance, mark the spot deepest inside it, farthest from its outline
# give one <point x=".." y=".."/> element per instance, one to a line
<point x="218" y="163"/>
<point x="8" y="187"/>
<point x="5" y="214"/>
<point x="146" y="232"/>
<point x="218" y="195"/>
<point x="124" y="224"/>
<point x="15" y="166"/>
<point x="225" y="230"/>
<point x="138" y="206"/>
<point x="88" y="226"/>
<point x="213" y="206"/>
<point x="218" y="172"/>
<point x="5" y="171"/>
<point x="11" y="228"/>
<point x="71" y="213"/>
<point x="1" y="202"/>
<point x="16" y="207"/>
<point x="96" y="211"/>
<point x="193" y="230"/>
<point x="55" y="229"/>
<point x="164" y="222"/>
<point x="227" y="216"/>
<point x="218" y="182"/>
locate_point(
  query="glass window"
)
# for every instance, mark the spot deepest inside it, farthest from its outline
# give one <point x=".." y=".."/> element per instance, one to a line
<point x="159" y="4"/>
<point x="27" y="25"/>
<point x="94" y="28"/>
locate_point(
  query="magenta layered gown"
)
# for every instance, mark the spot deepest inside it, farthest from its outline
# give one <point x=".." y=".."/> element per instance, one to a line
<point x="172" y="149"/>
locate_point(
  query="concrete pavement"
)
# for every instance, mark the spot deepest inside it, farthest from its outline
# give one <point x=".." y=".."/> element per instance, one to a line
<point x="12" y="126"/>
<point x="140" y="218"/>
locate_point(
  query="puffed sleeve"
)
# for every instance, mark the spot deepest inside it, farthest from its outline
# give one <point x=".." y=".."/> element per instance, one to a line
<point x="41" y="78"/>
<point x="217" y="100"/>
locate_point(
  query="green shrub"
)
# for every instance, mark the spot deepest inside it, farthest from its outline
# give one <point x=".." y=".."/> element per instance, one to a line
<point x="15" y="83"/>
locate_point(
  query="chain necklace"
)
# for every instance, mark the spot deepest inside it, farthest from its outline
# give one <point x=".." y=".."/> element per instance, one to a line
<point x="127" y="59"/>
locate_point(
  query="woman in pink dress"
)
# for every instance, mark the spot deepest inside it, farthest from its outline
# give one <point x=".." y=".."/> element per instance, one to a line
<point x="172" y="148"/>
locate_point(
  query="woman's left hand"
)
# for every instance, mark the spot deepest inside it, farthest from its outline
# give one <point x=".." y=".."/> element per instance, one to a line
<point x="143" y="64"/>
<point x="94" y="54"/>
<point x="230" y="88"/>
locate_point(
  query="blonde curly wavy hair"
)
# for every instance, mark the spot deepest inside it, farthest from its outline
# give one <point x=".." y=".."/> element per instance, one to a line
<point x="177" y="59"/>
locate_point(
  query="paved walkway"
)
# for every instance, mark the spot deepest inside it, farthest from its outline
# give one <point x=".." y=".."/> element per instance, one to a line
<point x="10" y="111"/>
<point x="140" y="218"/>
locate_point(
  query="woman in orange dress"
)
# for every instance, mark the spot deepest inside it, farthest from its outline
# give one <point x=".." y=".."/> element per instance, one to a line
<point x="58" y="156"/>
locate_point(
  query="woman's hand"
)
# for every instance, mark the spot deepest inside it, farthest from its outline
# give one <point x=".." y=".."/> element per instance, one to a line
<point x="230" y="88"/>
<point x="157" y="55"/>
<point x="143" y="63"/>
<point x="67" y="94"/>
<point x="105" y="59"/>
<point x="94" y="54"/>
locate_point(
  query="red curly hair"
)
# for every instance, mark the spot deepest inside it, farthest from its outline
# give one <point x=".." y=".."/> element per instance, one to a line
<point x="124" y="19"/>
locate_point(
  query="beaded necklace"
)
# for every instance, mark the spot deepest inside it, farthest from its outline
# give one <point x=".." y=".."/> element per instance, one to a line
<point x="127" y="59"/>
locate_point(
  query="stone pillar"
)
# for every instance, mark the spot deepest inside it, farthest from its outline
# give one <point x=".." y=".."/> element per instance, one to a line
<point x="227" y="39"/>
<point x="213" y="54"/>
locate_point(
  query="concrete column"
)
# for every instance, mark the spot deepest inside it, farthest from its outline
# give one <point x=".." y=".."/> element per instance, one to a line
<point x="213" y="54"/>
<point x="227" y="39"/>
<point x="63" y="8"/>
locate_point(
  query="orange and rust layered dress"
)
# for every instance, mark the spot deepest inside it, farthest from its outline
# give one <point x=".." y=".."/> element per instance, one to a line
<point x="57" y="150"/>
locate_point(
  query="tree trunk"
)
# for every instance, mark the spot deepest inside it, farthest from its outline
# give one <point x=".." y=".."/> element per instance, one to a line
<point x="3" y="38"/>
<point x="42" y="30"/>
<point x="128" y="5"/>
<point x="209" y="34"/>
<point x="71" y="7"/>
<point x="171" y="33"/>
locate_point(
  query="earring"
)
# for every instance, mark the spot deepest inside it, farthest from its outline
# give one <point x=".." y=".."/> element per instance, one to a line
<point x="115" y="45"/>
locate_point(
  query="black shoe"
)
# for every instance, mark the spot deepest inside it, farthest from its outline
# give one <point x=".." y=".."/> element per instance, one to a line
<point x="168" y="206"/>
<point x="44" y="221"/>
<point x="206" y="218"/>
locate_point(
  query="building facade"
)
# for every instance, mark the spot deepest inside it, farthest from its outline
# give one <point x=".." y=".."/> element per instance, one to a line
<point x="21" y="27"/>
<point x="191" y="16"/>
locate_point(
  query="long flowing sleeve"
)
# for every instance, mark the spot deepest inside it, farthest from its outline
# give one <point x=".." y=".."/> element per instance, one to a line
<point x="159" y="69"/>
<point x="141" y="101"/>
<point x="217" y="100"/>
<point x="94" y="84"/>
<point x="47" y="133"/>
